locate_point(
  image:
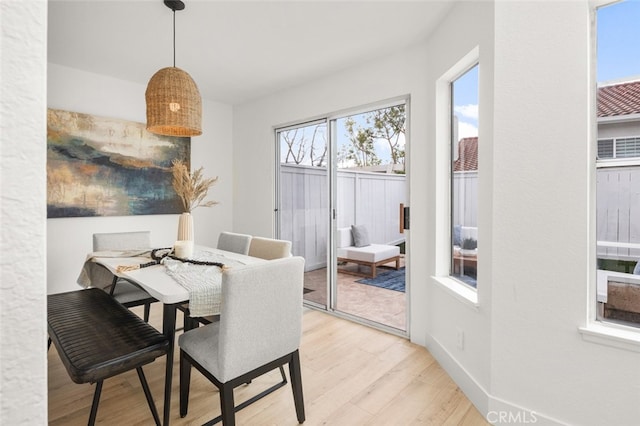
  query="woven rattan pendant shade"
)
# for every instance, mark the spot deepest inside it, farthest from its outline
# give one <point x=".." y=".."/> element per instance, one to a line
<point x="174" y="107"/>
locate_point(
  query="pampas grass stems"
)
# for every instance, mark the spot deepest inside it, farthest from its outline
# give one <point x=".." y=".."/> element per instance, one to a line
<point x="191" y="188"/>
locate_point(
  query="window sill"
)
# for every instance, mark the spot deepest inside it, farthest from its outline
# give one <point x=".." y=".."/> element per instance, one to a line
<point x="459" y="290"/>
<point x="611" y="335"/>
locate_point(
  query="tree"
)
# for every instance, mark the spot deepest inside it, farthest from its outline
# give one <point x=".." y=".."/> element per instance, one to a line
<point x="389" y="124"/>
<point x="301" y="150"/>
<point x="319" y="161"/>
<point x="295" y="147"/>
<point x="308" y="145"/>
<point x="362" y="150"/>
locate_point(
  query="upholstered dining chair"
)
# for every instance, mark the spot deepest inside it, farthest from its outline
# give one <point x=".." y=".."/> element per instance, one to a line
<point x="263" y="248"/>
<point x="259" y="330"/>
<point x="124" y="291"/>
<point x="234" y="242"/>
<point x="269" y="248"/>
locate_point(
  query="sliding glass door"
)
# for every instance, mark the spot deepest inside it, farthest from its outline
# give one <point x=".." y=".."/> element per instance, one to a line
<point x="303" y="202"/>
<point x="341" y="185"/>
<point x="370" y="185"/>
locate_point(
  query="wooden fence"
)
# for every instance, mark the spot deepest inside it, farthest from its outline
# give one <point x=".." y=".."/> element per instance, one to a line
<point x="363" y="198"/>
<point x="372" y="199"/>
<point x="618" y="212"/>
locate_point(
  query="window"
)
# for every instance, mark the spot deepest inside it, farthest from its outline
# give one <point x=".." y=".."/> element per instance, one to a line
<point x="619" y="148"/>
<point x="464" y="177"/>
<point x="618" y="164"/>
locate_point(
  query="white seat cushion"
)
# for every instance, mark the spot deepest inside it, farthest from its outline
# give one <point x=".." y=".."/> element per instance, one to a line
<point x="372" y="253"/>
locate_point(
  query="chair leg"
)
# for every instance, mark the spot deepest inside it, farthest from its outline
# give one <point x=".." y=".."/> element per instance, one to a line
<point x="189" y="323"/>
<point x="147" y="310"/>
<point x="94" y="405"/>
<point x="147" y="393"/>
<point x="227" y="405"/>
<point x="113" y="285"/>
<point x="48" y="344"/>
<point x="296" y="385"/>
<point x="185" y="380"/>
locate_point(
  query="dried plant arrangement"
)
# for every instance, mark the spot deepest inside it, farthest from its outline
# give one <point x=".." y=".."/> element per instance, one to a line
<point x="191" y="188"/>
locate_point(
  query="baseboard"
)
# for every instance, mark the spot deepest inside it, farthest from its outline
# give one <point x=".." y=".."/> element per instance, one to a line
<point x="503" y="412"/>
<point x="496" y="411"/>
<point x="471" y="388"/>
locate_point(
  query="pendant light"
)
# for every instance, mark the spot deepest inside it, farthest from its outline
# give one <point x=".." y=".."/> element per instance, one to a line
<point x="174" y="107"/>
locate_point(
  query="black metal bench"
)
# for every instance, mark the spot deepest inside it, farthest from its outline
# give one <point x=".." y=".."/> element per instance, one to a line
<point x="97" y="338"/>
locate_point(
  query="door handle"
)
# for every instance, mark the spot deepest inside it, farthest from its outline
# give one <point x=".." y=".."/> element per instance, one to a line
<point x="404" y="218"/>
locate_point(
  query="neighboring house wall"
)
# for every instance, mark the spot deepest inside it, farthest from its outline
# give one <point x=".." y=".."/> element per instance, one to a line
<point x="619" y="129"/>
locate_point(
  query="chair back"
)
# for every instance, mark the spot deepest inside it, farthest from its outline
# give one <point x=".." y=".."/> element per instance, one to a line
<point x="237" y="243"/>
<point x="269" y="248"/>
<point x="122" y="240"/>
<point x="260" y="316"/>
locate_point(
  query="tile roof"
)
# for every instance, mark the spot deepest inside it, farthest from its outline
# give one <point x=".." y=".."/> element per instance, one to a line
<point x="467" y="155"/>
<point x="619" y="99"/>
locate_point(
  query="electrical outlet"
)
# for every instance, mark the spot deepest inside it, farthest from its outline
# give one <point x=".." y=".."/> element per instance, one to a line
<point x="460" y="338"/>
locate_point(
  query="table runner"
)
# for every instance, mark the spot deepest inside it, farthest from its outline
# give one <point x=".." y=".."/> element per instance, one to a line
<point x="92" y="273"/>
<point x="204" y="282"/>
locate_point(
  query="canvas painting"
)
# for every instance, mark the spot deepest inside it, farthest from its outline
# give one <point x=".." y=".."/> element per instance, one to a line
<point x="100" y="166"/>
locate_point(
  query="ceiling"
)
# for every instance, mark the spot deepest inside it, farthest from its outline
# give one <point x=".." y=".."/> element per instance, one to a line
<point x="234" y="50"/>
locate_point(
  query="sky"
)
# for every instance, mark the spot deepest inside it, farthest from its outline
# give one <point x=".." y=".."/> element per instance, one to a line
<point x="465" y="102"/>
<point x="618" y="41"/>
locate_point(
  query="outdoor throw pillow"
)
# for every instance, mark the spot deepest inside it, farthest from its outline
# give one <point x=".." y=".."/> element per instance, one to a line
<point x="360" y="236"/>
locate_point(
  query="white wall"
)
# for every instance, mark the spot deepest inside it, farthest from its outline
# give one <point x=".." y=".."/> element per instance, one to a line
<point x="451" y="51"/>
<point x="541" y="293"/>
<point x="70" y="239"/>
<point x="23" y="380"/>
<point x="523" y="353"/>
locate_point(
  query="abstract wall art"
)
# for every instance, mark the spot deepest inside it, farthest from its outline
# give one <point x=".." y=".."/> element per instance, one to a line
<point x="100" y="166"/>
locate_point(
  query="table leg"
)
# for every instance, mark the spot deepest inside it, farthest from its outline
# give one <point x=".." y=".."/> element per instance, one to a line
<point x="169" y="330"/>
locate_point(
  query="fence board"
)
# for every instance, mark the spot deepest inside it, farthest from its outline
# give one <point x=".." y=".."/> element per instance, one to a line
<point x="618" y="211"/>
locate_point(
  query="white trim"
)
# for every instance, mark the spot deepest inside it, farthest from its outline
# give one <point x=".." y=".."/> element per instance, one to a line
<point x="444" y="177"/>
<point x="370" y="107"/>
<point x="613" y="335"/>
<point x="602" y="282"/>
<point x="617" y="162"/>
<point x="618" y="118"/>
<point x="459" y="290"/>
<point x="616" y="244"/>
<point x="491" y="407"/>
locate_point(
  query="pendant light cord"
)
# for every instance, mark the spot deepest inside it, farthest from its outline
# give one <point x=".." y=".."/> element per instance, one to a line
<point x="174" y="38"/>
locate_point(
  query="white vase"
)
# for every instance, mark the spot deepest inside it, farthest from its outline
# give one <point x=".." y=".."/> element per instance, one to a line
<point x="185" y="227"/>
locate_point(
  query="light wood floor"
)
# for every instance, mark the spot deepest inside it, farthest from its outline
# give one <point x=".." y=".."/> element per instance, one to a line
<point x="352" y="375"/>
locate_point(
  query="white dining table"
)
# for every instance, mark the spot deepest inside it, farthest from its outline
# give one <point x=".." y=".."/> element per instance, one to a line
<point x="159" y="284"/>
